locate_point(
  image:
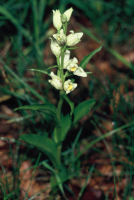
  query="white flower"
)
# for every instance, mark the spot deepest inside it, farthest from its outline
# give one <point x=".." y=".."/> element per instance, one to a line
<point x="55" y="48"/>
<point x="72" y="65"/>
<point x="57" y="19"/>
<point x="60" y="37"/>
<point x="73" y="38"/>
<point x="80" y="72"/>
<point x="55" y="81"/>
<point x="69" y="86"/>
<point x="68" y="13"/>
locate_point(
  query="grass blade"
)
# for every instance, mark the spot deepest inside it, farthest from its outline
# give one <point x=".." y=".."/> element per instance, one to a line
<point x="101" y="138"/>
<point x="113" y="52"/>
<point x="22" y="82"/>
<point x="5" y="12"/>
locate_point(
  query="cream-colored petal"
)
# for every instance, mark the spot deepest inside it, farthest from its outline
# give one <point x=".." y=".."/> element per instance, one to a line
<point x="68" y="13"/>
<point x="80" y="72"/>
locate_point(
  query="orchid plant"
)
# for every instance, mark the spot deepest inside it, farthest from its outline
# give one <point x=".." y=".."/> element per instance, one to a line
<point x="61" y="44"/>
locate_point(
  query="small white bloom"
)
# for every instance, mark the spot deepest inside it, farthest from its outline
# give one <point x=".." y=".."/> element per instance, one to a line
<point x="80" y="72"/>
<point x="55" y="81"/>
<point x="60" y="37"/>
<point x="55" y="48"/>
<point x="57" y="19"/>
<point x="69" y="86"/>
<point x="73" y="38"/>
<point x="72" y="65"/>
<point x="68" y="13"/>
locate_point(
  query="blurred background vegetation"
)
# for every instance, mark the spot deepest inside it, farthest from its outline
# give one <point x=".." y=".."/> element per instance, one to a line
<point x="25" y="28"/>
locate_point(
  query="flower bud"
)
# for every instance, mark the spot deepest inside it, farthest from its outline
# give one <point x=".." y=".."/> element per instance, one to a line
<point x="63" y="18"/>
<point x="69" y="86"/>
<point x="68" y="13"/>
<point x="57" y="19"/>
<point x="55" y="48"/>
<point x="73" y="38"/>
<point x="56" y="81"/>
<point x="60" y="37"/>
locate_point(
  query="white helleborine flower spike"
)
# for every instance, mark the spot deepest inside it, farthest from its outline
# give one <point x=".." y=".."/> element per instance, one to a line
<point x="68" y="13"/>
<point x="55" y="81"/>
<point x="60" y="37"/>
<point x="69" y="86"/>
<point x="57" y="19"/>
<point x="73" y="38"/>
<point x="55" y="48"/>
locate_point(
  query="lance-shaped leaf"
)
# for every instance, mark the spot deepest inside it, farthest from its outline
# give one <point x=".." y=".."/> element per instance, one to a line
<point x="38" y="70"/>
<point x="52" y="67"/>
<point x="88" y="57"/>
<point x="44" y="144"/>
<point x="71" y="104"/>
<point x="79" y="111"/>
<point x="49" y="109"/>
<point x="83" y="109"/>
<point x="69" y="48"/>
<point x="65" y="126"/>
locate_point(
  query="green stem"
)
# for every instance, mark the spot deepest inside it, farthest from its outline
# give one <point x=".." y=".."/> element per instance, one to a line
<point x="58" y="129"/>
<point x="61" y="67"/>
<point x="65" y="28"/>
<point x="60" y="105"/>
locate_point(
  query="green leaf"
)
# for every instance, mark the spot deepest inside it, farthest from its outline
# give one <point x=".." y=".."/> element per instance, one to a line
<point x="70" y="103"/>
<point x="45" y="164"/>
<point x="59" y="178"/>
<point x="66" y="123"/>
<point x="79" y="111"/>
<point x="44" y="144"/>
<point x="49" y="109"/>
<point x="88" y="57"/>
<point x="38" y="107"/>
<point x="38" y="70"/>
<point x="131" y="198"/>
<point x="69" y="48"/>
<point x="52" y="67"/>
<point x="83" y="109"/>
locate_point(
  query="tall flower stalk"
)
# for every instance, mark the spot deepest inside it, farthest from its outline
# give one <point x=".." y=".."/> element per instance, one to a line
<point x="61" y="44"/>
